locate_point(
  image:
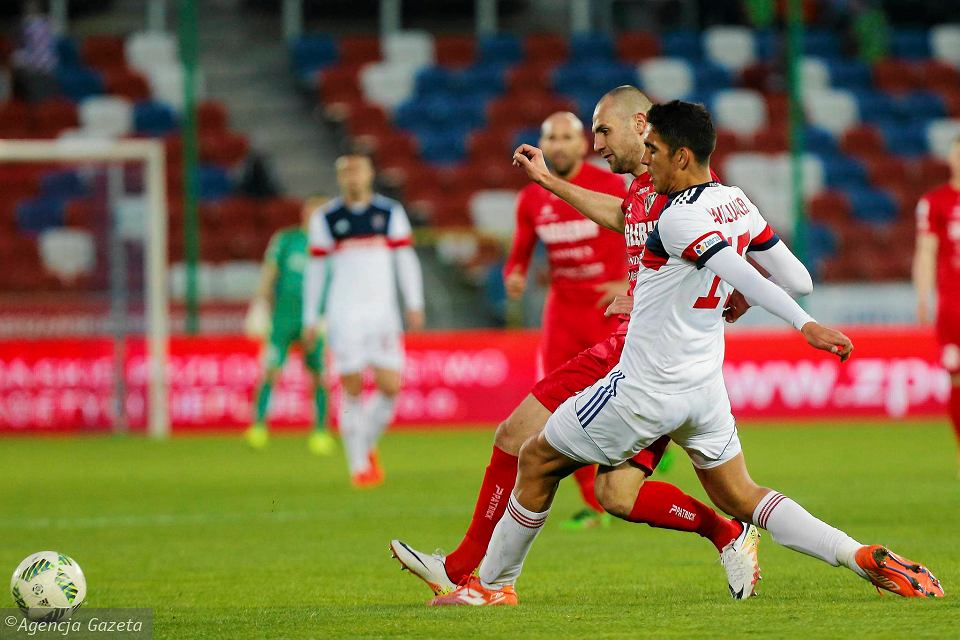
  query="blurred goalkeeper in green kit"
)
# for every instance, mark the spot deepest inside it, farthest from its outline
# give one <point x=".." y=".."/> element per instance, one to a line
<point x="275" y="314"/>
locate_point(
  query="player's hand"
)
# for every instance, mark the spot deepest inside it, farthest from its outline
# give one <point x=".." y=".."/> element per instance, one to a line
<point x="609" y="291"/>
<point x="530" y="159"/>
<point x="621" y="305"/>
<point x="308" y="338"/>
<point x="737" y="305"/>
<point x="415" y="319"/>
<point x="256" y="324"/>
<point x="827" y="339"/>
<point x="515" y="284"/>
<point x="923" y="313"/>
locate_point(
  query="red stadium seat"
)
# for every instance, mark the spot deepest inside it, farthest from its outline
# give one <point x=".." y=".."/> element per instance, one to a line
<point x="886" y="170"/>
<point x="545" y="49"/>
<point x="451" y="210"/>
<point x="396" y="171"/>
<point x="758" y="76"/>
<point x="771" y="140"/>
<point x="862" y="140"/>
<point x="936" y="75"/>
<point x="896" y="76"/>
<point x="121" y="81"/>
<point x="499" y="175"/>
<point x="490" y="143"/>
<point x="394" y="144"/>
<point x="778" y="109"/>
<point x="637" y="46"/>
<point x="359" y="49"/>
<point x="527" y="109"/>
<point x="283" y="211"/>
<point x="929" y="172"/>
<point x="529" y="77"/>
<point x="829" y="206"/>
<point x="951" y="99"/>
<point x="212" y="116"/>
<point x="728" y="142"/>
<point x="455" y="51"/>
<point x="460" y="180"/>
<point x="15" y="120"/>
<point x="103" y="51"/>
<point x="224" y="148"/>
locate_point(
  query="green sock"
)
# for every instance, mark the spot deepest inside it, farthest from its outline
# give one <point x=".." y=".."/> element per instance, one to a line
<point x="263" y="401"/>
<point x="320" y="402"/>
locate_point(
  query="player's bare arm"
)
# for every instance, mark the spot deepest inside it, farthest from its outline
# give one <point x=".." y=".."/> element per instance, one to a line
<point x="609" y="291"/>
<point x="602" y="208"/>
<point x="924" y="274"/>
<point x="620" y="305"/>
<point x="515" y="283"/>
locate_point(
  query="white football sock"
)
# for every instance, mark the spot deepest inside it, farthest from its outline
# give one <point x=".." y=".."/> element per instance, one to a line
<point x="792" y="526"/>
<point x="352" y="433"/>
<point x="511" y="542"/>
<point x="378" y="414"/>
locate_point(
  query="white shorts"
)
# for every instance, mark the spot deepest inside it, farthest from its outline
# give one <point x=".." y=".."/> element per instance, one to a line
<point x="356" y="349"/>
<point x="613" y="420"/>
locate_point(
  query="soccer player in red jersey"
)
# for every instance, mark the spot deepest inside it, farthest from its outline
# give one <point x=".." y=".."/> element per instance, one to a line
<point x="587" y="266"/>
<point x="619" y="123"/>
<point x="936" y="265"/>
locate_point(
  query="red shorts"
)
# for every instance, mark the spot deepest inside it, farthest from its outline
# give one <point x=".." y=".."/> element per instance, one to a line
<point x="570" y="325"/>
<point x="948" y="335"/>
<point x="582" y="371"/>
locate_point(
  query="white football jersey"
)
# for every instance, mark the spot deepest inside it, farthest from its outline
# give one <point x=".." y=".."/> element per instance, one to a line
<point x="675" y="340"/>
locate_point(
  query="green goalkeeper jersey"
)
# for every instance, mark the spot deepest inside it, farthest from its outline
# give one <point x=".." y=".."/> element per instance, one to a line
<point x="289" y="253"/>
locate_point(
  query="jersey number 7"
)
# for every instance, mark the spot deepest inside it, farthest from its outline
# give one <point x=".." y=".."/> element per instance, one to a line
<point x="712" y="300"/>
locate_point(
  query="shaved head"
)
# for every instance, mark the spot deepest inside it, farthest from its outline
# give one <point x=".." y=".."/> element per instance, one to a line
<point x="619" y="127"/>
<point x="561" y="119"/>
<point x="627" y="99"/>
<point x="563" y="143"/>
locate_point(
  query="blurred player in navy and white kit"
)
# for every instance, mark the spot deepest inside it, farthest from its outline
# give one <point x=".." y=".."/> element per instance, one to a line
<point x="361" y="248"/>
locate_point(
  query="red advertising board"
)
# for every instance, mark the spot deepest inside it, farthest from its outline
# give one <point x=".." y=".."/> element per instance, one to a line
<point x="462" y="378"/>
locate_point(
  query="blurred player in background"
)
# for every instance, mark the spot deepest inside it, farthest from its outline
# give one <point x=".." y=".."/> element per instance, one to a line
<point x="363" y="240"/>
<point x="588" y="266"/>
<point x="618" y="123"/>
<point x="276" y="313"/>
<point x="936" y="266"/>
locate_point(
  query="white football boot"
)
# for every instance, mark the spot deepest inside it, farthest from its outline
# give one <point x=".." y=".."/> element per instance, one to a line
<point x="428" y="567"/>
<point x="740" y="561"/>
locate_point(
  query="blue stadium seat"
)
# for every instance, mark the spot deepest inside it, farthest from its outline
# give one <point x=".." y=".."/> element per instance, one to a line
<point x="312" y="52"/>
<point x="709" y="77"/>
<point x="591" y="46"/>
<point x="67" y="51"/>
<point x="875" y="106"/>
<point x="849" y="74"/>
<point x="483" y="77"/>
<point x="840" y="171"/>
<point x="768" y="44"/>
<point x="470" y="110"/>
<point x="154" y="118"/>
<point x="682" y="43"/>
<point x="434" y="80"/>
<point x="78" y="82"/>
<point x="502" y="48"/>
<point x="214" y="182"/>
<point x="818" y="140"/>
<point x="904" y="138"/>
<point x="872" y="205"/>
<point x="821" y="243"/>
<point x="526" y="136"/>
<point x="921" y="105"/>
<point x="39" y="214"/>
<point x="592" y="76"/>
<point x="821" y="42"/>
<point x="442" y="147"/>
<point x="62" y="184"/>
<point x="910" y="43"/>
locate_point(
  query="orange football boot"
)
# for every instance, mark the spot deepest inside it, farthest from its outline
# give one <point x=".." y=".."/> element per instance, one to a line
<point x="886" y="570"/>
<point x="471" y="592"/>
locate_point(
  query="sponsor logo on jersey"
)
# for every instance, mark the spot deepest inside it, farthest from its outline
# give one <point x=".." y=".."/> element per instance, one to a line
<point x="341" y="227"/>
<point x="569" y="231"/>
<point x="378" y="221"/>
<point x="636" y="232"/>
<point x="648" y="200"/>
<point x="701" y="247"/>
<point x="547" y="214"/>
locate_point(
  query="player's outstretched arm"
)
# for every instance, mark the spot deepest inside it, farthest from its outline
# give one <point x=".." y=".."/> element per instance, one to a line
<point x="785" y="269"/>
<point x="737" y="272"/>
<point x="602" y="208"/>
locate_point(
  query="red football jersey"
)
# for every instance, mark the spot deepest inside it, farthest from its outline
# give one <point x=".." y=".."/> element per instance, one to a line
<point x="938" y="212"/>
<point x="581" y="253"/>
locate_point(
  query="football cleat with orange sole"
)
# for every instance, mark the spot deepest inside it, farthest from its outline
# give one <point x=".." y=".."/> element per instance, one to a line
<point x="472" y="593"/>
<point x="888" y="571"/>
<point x="429" y="567"/>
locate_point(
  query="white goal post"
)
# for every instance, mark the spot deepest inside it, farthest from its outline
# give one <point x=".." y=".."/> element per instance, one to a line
<point x="151" y="153"/>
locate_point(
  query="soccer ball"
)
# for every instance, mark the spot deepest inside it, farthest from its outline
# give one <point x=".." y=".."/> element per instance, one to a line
<point x="48" y="586"/>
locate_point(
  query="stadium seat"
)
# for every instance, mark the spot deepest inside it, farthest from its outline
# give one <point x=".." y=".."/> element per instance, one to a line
<point x="411" y="48"/>
<point x="814" y="74"/>
<point x="39" y="214"/>
<point x="214" y="181"/>
<point x="67" y="253"/>
<point x="842" y="172"/>
<point x="637" y="46"/>
<point x="233" y="280"/>
<point x="166" y="85"/>
<point x="67" y="52"/>
<point x="910" y="44"/>
<point x="681" y="43"/>
<point x="941" y="134"/>
<point x="833" y="109"/>
<point x="282" y="212"/>
<point x="741" y="110"/>
<point x="492" y="211"/>
<point x="529" y="77"/>
<point x="153" y="118"/>
<point x="455" y="51"/>
<point x="178" y="279"/>
<point x="929" y="171"/>
<point x="433" y="80"/>
<point x="53" y="116"/>
<point x="945" y="43"/>
<point x="938" y="75"/>
<point x="849" y="74"/>
<point x="224" y="148"/>
<point x="821" y="42"/>
<point x="15" y="119"/>
<point x="490" y="143"/>
<point x="920" y="105"/>
<point x="62" y="184"/>
<point x="896" y="76"/>
<point x="388" y="84"/>
<point x="357" y="50"/>
<point x="599" y="77"/>
<point x="767" y="43"/>
<point x="500" y="48"/>
<point x="875" y="106"/>
<point x="121" y="81"/>
<point x="907" y="138"/>
<point x="666" y="78"/>
<point x="872" y="205"/>
<point x="106" y="116"/>
<point x="732" y="47"/>
<point x="708" y="78"/>
<point x="593" y="47"/>
<point x="863" y="140"/>
<point x="103" y="52"/>
<point x="310" y="53"/>
<point x="146" y="50"/>
<point x="212" y="116"/>
<point x="78" y="83"/>
<point x="829" y="207"/>
<point x="545" y="49"/>
<point x="442" y="147"/>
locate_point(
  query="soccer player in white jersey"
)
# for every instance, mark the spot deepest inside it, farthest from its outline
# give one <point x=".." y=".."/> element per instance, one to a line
<point x="363" y="239"/>
<point x="669" y="379"/>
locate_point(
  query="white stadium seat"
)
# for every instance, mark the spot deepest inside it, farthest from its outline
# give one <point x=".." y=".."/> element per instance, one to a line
<point x="833" y="109"/>
<point x="941" y="134"/>
<point x="945" y="43"/>
<point x="409" y="47"/>
<point x="743" y="111"/>
<point x="729" y="46"/>
<point x="767" y="175"/>
<point x="178" y="280"/>
<point x="388" y="83"/>
<point x="814" y="74"/>
<point x="67" y="253"/>
<point x="146" y="50"/>
<point x="106" y="117"/>
<point x="492" y="211"/>
<point x="166" y="84"/>
<point x="235" y="280"/>
<point x="666" y="78"/>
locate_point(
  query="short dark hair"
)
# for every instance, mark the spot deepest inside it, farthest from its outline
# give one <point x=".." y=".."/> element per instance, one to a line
<point x="685" y="124"/>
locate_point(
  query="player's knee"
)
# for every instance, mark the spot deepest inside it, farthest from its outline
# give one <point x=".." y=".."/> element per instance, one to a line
<point x="389" y="388"/>
<point x="615" y="499"/>
<point x="507" y="439"/>
<point x="352" y="385"/>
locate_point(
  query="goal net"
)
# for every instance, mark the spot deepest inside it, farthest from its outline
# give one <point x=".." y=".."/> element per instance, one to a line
<point x="84" y="312"/>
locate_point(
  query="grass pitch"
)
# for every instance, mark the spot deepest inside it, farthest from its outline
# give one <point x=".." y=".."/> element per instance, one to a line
<point x="223" y="542"/>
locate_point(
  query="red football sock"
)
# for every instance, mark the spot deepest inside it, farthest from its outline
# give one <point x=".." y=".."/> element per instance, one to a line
<point x="662" y="505"/>
<point x="498" y="481"/>
<point x="955" y="409"/>
<point x="586" y="477"/>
